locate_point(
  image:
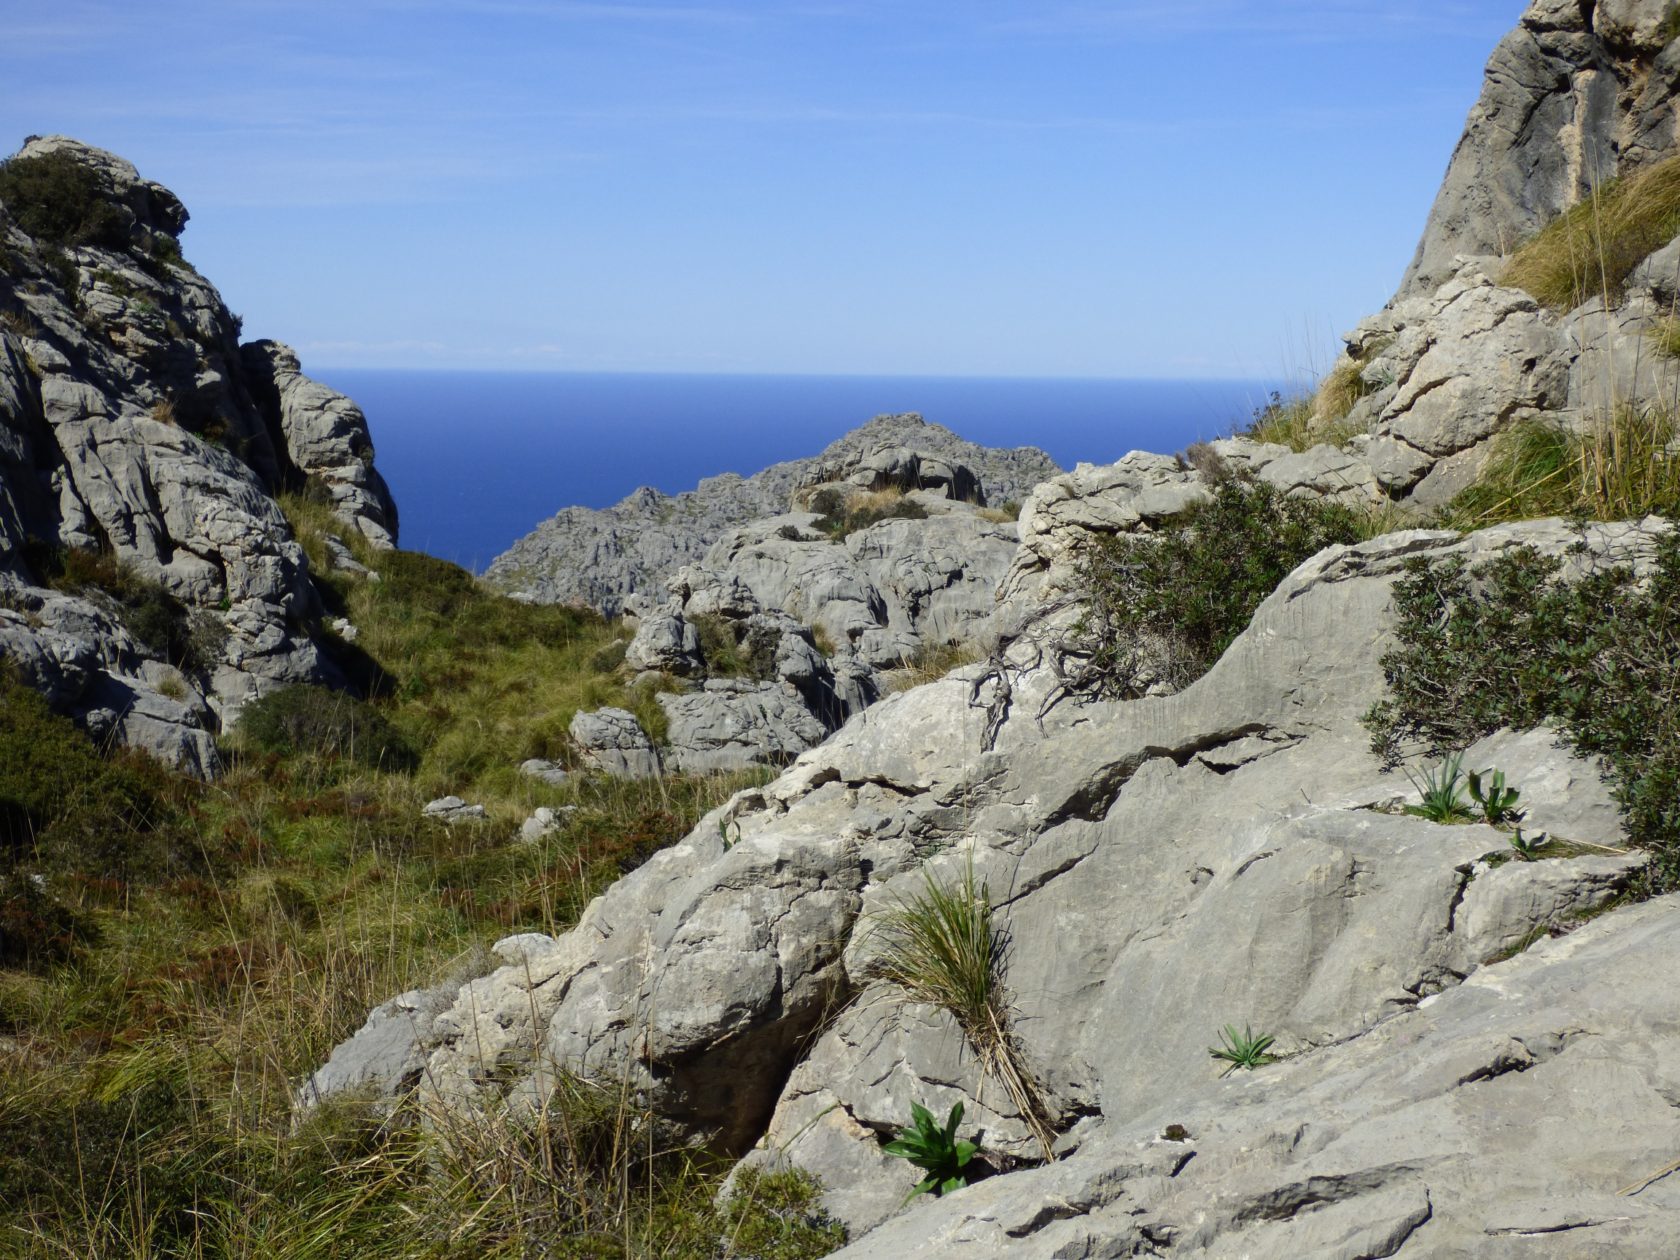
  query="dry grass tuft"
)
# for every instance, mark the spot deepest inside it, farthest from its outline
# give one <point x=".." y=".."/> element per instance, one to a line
<point x="939" y="947"/>
<point x="1590" y="249"/>
<point x="1624" y="464"/>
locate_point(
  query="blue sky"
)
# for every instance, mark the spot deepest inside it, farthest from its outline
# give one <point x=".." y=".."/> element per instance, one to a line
<point x="968" y="187"/>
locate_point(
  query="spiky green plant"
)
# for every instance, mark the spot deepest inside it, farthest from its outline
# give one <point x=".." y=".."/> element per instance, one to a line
<point x="939" y="947"/>
<point x="1242" y="1050"/>
<point x="1498" y="803"/>
<point x="935" y="1149"/>
<point x="1528" y="847"/>
<point x="1441" y="792"/>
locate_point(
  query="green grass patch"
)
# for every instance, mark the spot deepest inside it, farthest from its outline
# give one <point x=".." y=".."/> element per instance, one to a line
<point x="1614" y="467"/>
<point x="1591" y="249"/>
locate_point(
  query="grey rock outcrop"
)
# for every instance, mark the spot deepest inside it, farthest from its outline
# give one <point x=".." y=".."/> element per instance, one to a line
<point x="603" y="557"/>
<point x="732" y="723"/>
<point x="612" y="741"/>
<point x="1579" y="93"/>
<point x="128" y="427"/>
<point x="451" y="810"/>
<point x="731" y="976"/>
<point x="326" y="438"/>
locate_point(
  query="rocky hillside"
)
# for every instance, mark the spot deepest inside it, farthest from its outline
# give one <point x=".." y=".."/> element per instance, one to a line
<point x="604" y="558"/>
<point x="1241" y="967"/>
<point x="149" y="584"/>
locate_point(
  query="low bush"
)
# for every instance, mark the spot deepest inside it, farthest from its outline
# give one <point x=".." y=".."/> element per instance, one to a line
<point x="939" y="947"/>
<point x="316" y="721"/>
<point x="1510" y="644"/>
<point x="61" y="202"/>
<point x="1165" y="606"/>
<point x="733" y="649"/>
<point x="1590" y="250"/>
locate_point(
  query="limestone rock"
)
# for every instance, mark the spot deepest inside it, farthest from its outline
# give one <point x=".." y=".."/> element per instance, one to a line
<point x="452" y="809"/>
<point x="731" y="724"/>
<point x="665" y="642"/>
<point x="128" y="424"/>
<point x="603" y="558"/>
<point x="612" y="741"/>
<point x="1576" y="95"/>
<point x="326" y="438"/>
<point x="544" y="771"/>
<point x="545" y="821"/>
<point x="1163" y="867"/>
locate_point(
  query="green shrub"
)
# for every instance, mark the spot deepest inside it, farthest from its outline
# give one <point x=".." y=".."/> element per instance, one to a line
<point x="734" y="649"/>
<point x="1242" y="1050"/>
<point x="61" y="202"/>
<point x="1441" y="792"/>
<point x="69" y="812"/>
<point x="317" y="721"/>
<point x="1511" y="645"/>
<point x="1167" y="605"/>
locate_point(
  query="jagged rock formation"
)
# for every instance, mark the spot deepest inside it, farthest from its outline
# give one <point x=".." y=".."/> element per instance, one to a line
<point x="604" y="557"/>
<point x="131" y="426"/>
<point x="771" y="590"/>
<point x="1121" y="842"/>
<point x="1580" y="92"/>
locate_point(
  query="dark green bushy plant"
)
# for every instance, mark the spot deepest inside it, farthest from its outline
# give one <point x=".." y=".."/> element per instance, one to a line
<point x="1167" y="605"/>
<point x="1511" y="645"/>
<point x="320" y="722"/>
<point x="61" y="202"/>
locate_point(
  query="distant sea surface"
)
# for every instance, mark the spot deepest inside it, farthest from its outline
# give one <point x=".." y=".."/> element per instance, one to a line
<point x="477" y="459"/>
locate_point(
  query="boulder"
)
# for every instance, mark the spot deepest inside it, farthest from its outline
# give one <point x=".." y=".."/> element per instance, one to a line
<point x="452" y="809"/>
<point x="732" y="724"/>
<point x="613" y="742"/>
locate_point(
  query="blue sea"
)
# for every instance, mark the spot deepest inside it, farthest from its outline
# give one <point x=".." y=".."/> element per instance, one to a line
<point x="477" y="459"/>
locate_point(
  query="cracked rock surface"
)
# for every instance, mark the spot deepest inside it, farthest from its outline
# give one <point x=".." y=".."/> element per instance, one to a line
<point x="1161" y="868"/>
<point x="132" y="422"/>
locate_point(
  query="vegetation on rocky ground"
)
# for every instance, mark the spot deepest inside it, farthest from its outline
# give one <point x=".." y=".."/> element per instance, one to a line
<point x="1622" y="465"/>
<point x="60" y="201"/>
<point x="1590" y="250"/>
<point x="1512" y="644"/>
<point x="1163" y="607"/>
<point x="843" y="513"/>
<point x="174" y="957"/>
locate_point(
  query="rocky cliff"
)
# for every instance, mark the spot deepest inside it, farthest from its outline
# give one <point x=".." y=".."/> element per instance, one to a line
<point x="149" y="583"/>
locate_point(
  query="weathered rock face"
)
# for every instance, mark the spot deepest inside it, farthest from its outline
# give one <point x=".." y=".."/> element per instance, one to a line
<point x="602" y="558"/>
<point x="1580" y="92"/>
<point x="1162" y="868"/>
<point x="326" y="438"/>
<point x="128" y="426"/>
